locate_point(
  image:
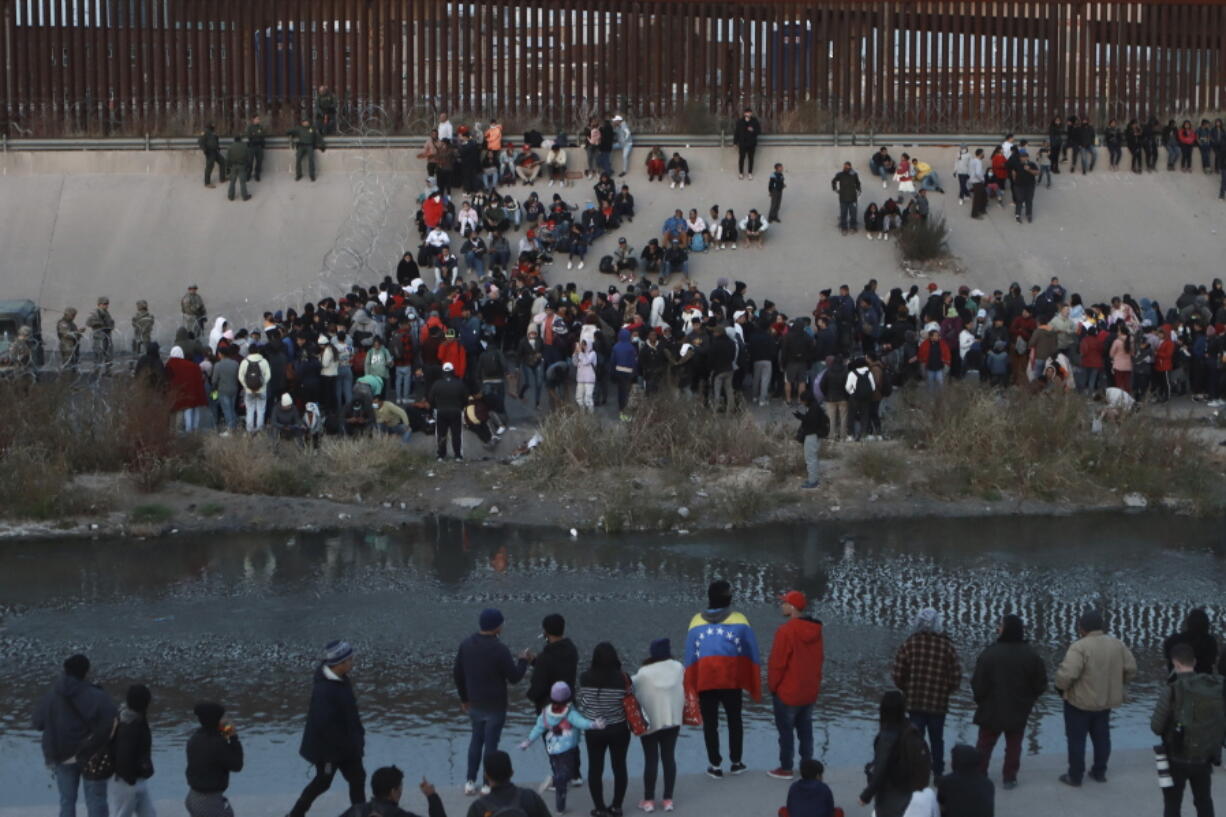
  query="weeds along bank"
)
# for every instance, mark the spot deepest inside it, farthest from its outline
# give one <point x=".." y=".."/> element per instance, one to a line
<point x="73" y="453"/>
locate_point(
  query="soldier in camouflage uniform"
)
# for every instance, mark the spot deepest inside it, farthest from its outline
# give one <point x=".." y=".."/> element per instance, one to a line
<point x="101" y="325"/>
<point x="70" y="339"/>
<point x="255" y="149"/>
<point x="305" y="139"/>
<point x="325" y="110"/>
<point x="192" y="306"/>
<point x="20" y="354"/>
<point x="142" y="328"/>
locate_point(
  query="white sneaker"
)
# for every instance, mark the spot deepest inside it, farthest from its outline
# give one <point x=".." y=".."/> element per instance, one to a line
<point x="551" y="182"/>
<point x="570" y="264"/>
<point x="580" y="265"/>
<point x="885" y="237"/>
<point x="869" y="236"/>
<point x="884" y="185"/>
<point x="672" y="186"/>
<point x="751" y="177"/>
<point x="959" y="202"/>
<point x="470" y="789"/>
<point x="734" y="246"/>
<point x="683" y="185"/>
<point x="485" y="790"/>
<point x="740" y="175"/>
<point x="850" y="438"/>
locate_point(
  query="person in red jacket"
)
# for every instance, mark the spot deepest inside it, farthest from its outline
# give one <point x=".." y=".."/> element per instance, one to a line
<point x="933" y="356"/>
<point x="1164" y="362"/>
<point x="794" y="677"/>
<point x="185" y="383"/>
<point x="452" y="351"/>
<point x="1093" y="349"/>
<point x="1023" y="326"/>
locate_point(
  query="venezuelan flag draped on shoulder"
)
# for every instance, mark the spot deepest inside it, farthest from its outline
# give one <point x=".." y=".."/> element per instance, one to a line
<point x="721" y="652"/>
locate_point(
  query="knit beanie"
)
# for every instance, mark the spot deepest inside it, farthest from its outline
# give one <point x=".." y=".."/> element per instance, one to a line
<point x="559" y="692"/>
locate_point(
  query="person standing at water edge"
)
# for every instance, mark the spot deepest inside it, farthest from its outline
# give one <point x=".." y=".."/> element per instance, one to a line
<point x="213" y="754"/>
<point x="333" y="738"/>
<point x="721" y="661"/>
<point x="927" y="671"/>
<point x="133" y="756"/>
<point x="1009" y="678"/>
<point x="659" y="686"/>
<point x="77" y="719"/>
<point x="794" y="677"/>
<point x="386" y="789"/>
<point x="1092" y="678"/>
<point x="1190" y="717"/>
<point x="483" y="668"/>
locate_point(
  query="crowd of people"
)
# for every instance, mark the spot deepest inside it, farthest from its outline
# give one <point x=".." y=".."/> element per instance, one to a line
<point x="599" y="709"/>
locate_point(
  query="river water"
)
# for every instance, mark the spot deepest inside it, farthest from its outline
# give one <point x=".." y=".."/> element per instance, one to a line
<point x="240" y="618"/>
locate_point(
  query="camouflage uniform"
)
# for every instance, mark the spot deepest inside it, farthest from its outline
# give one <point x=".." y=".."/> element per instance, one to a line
<point x="101" y="325"/>
<point x="192" y="306"/>
<point x="142" y="328"/>
<point x="70" y="338"/>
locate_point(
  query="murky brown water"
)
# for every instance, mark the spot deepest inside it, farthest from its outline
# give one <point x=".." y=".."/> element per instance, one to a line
<point x="240" y="618"/>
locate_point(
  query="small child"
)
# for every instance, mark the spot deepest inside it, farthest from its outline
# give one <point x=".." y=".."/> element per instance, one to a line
<point x="809" y="796"/>
<point x="561" y="724"/>
<point x="1045" y="164"/>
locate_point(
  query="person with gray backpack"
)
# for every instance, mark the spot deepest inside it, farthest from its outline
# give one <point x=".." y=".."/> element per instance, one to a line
<point x="1190" y="718"/>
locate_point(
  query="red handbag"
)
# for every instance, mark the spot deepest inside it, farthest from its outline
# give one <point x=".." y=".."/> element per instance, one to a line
<point x="691" y="715"/>
<point x="635" y="718"/>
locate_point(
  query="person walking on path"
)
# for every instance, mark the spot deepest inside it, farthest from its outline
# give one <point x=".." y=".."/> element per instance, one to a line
<point x="133" y="756"/>
<point x="483" y="668"/>
<point x="721" y="662"/>
<point x="560" y="724"/>
<point x="794" y="678"/>
<point x="602" y="691"/>
<point x="1190" y="718"/>
<point x="213" y="754"/>
<point x="76" y="719"/>
<point x="846" y="183"/>
<point x="1092" y="678"/>
<point x="504" y="797"/>
<point x="333" y="738"/>
<point x="745" y="137"/>
<point x="659" y="686"/>
<point x="774" y="188"/>
<point x="927" y="671"/>
<point x="386" y="789"/>
<point x="1009" y="678"/>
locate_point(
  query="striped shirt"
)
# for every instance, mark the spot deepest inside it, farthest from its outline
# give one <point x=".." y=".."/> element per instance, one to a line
<point x="602" y="702"/>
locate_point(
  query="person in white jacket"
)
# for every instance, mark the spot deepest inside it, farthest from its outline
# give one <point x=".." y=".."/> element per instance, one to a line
<point x="658" y="685"/>
<point x="255" y="388"/>
<point x="962" y="172"/>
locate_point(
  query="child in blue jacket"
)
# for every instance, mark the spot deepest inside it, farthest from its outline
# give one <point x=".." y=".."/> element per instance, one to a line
<point x="561" y="724"/>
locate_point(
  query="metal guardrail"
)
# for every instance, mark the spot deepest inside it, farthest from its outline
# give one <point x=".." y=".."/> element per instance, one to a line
<point x="707" y="140"/>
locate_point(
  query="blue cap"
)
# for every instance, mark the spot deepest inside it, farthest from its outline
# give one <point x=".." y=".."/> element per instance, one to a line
<point x="490" y="620"/>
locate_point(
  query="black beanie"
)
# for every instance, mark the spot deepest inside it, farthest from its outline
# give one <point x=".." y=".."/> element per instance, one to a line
<point x="498" y="767"/>
<point x="1090" y="621"/>
<point x="719" y="594"/>
<point x="77" y="666"/>
<point x="554" y="625"/>
<point x="209" y="714"/>
<point x="138" y="698"/>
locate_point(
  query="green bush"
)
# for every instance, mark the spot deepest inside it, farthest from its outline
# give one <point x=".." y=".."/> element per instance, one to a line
<point x="924" y="239"/>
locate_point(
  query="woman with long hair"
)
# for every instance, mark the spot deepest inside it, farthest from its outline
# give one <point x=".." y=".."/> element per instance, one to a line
<point x="602" y="687"/>
<point x="658" y="685"/>
<point x="885" y="789"/>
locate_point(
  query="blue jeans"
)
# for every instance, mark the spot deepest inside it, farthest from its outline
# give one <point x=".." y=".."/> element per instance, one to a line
<point x="533" y="376"/>
<point x="847" y="215"/>
<point x="404" y="432"/>
<point x="404" y="384"/>
<point x="789" y="719"/>
<point x="604" y="161"/>
<point x="935" y="378"/>
<point x="67" y="779"/>
<point x="489" y="178"/>
<point x="934" y="725"/>
<point x="930" y="182"/>
<point x="667" y="268"/>
<point x="228" y="411"/>
<point x="344" y="385"/>
<point x="1077" y="724"/>
<point x="487" y="729"/>
<point x="1088" y="157"/>
<point x="881" y="170"/>
<point x="475" y="265"/>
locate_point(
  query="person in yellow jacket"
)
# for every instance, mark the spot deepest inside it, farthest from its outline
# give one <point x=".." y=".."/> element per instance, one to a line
<point x="1092" y="678"/>
<point x="925" y="176"/>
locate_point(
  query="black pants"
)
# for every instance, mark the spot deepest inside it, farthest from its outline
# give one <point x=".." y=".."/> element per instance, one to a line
<point x="776" y="201"/>
<point x="709" y="702"/>
<point x="448" y="422"/>
<point x="304" y="152"/>
<point x="744" y="152"/>
<point x="1151" y="155"/>
<point x="1057" y="153"/>
<point x="1138" y="157"/>
<point x="213" y="157"/>
<point x="979" y="199"/>
<point x="659" y="748"/>
<point x="859" y="423"/>
<point x="351" y="770"/>
<point x="1114" y="152"/>
<point x="255" y="162"/>
<point x="1195" y="776"/>
<point x="624" y="381"/>
<point x="614" y="739"/>
<point x="1023" y="199"/>
<point x="1185" y="156"/>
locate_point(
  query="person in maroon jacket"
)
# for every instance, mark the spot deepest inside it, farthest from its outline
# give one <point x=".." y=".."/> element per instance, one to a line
<point x="794" y="677"/>
<point x="1093" y="347"/>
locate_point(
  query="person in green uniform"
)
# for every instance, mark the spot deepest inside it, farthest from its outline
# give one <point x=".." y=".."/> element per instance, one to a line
<point x="101" y="325"/>
<point x="236" y="160"/>
<point x="194" y="313"/>
<point x="210" y="146"/>
<point x="142" y="328"/>
<point x="255" y="148"/>
<point x="306" y="138"/>
<point x="325" y="110"/>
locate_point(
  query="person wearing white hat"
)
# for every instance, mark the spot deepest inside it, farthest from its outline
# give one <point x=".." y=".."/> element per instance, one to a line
<point x="448" y="397"/>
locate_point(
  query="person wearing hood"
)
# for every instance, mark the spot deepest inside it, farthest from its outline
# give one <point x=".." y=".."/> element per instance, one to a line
<point x="1092" y="678"/>
<point x="76" y="719"/>
<point x="185" y="382"/>
<point x="1009" y="677"/>
<point x="721" y="663"/>
<point x="333" y="738"/>
<point x="286" y="421"/>
<point x="213" y="754"/>
<point x="215" y="334"/>
<point x="794" y="678"/>
<point x="927" y="670"/>
<point x="625" y="361"/>
<point x="254" y="373"/>
<point x="133" y="756"/>
<point x="810" y="796"/>
<point x="149" y="367"/>
<point x="659" y="686"/>
<point x="966" y="791"/>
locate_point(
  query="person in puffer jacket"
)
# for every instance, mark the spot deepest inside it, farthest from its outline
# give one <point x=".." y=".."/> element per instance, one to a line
<point x="794" y="677"/>
<point x="560" y="723"/>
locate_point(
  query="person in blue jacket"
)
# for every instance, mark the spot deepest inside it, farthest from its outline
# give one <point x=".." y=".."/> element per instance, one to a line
<point x="625" y="362"/>
<point x="333" y="738"/>
<point x="809" y="796"/>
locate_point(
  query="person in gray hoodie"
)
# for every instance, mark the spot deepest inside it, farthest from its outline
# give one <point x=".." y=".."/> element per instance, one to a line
<point x="224" y="380"/>
<point x="77" y="719"/>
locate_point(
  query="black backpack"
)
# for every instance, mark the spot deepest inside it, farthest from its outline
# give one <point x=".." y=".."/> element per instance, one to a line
<point x="606" y="264"/>
<point x="864" y="389"/>
<point x="912" y="761"/>
<point x="254" y="377"/>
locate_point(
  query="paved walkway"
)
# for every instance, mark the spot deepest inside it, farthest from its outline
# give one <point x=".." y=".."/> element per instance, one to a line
<point x="1132" y="791"/>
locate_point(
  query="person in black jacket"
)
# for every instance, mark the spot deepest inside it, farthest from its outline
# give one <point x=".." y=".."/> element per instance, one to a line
<point x="745" y="137"/>
<point x="1196" y="632"/>
<point x="884" y="789"/>
<point x="133" y="755"/>
<point x="448" y="397"/>
<point x="386" y="789"/>
<point x="966" y="792"/>
<point x="1009" y="677"/>
<point x="503" y="796"/>
<point x="333" y="738"/>
<point x="559" y="661"/>
<point x="814" y="425"/>
<point x="213" y="754"/>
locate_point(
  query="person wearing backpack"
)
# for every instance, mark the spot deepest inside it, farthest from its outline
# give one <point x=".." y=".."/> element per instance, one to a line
<point x="927" y="671"/>
<point x="901" y="764"/>
<point x="814" y="427"/>
<point x="254" y="373"/>
<point x="77" y="720"/>
<point x="1190" y="717"/>
<point x="386" y="789"/>
<point x="1092" y="678"/>
<point x="505" y="799"/>
<point x="860" y="387"/>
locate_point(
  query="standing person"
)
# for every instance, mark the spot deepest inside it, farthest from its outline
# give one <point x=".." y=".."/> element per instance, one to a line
<point x="1190" y="718"/>
<point x="213" y="754"/>
<point x="254" y="373"/>
<point x="483" y="668"/>
<point x="774" y="188"/>
<point x="745" y="137"/>
<point x="1057" y="134"/>
<point x="256" y="136"/>
<point x="898" y="768"/>
<point x="101" y="325"/>
<point x="625" y="140"/>
<point x="602" y="688"/>
<point x="142" y="328"/>
<point x="1092" y="678"/>
<point x="659" y="686"/>
<point x="978" y="182"/>
<point x="70" y="339"/>
<point x="1195" y="632"/>
<point x="584" y="361"/>
<point x="962" y="172"/>
<point x="505" y="798"/>
<point x="558" y="661"/>
<point x="210" y="145"/>
<point x="927" y="671"/>
<point x="333" y="739"/>
<point x="1024" y="180"/>
<point x="306" y="138"/>
<point x="325" y="110"/>
<point x="604" y="148"/>
<point x="721" y="662"/>
<point x="77" y="720"/>
<point x="1009" y="678"/>
<point x="133" y="756"/>
<point x="194" y="313"/>
<point x="847" y="184"/>
<point x="238" y="158"/>
<point x="448" y="396"/>
<point x="794" y="678"/>
<point x="814" y="427"/>
<point x="560" y="724"/>
<point x="625" y="361"/>
<point x="386" y="789"/>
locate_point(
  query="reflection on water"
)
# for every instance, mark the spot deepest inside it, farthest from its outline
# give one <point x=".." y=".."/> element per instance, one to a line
<point x="241" y="618"/>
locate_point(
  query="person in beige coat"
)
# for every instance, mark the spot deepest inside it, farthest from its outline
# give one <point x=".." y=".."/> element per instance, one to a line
<point x="1092" y="678"/>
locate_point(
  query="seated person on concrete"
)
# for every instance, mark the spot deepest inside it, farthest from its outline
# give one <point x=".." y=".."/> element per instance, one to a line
<point x="882" y="165"/>
<point x="656" y="164"/>
<point x="753" y="227"/>
<point x="809" y="796"/>
<point x="678" y="171"/>
<point x="675" y="229"/>
<point x="872" y="221"/>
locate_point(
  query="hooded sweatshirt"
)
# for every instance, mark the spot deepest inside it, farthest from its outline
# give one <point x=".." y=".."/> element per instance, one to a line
<point x="133" y="747"/>
<point x="810" y="798"/>
<point x="625" y="357"/>
<point x="558" y="661"/>
<point x="75" y="718"/>
<point x="965" y="792"/>
<point x="561" y="729"/>
<point x="794" y="672"/>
